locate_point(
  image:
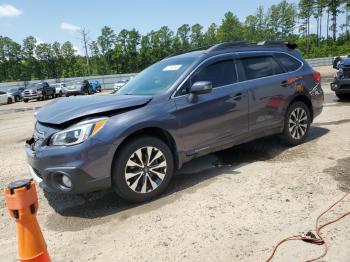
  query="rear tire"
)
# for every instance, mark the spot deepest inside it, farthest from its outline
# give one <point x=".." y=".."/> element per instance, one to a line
<point x="296" y="124"/>
<point x="9" y="100"/>
<point x="17" y="99"/>
<point x="343" y="96"/>
<point x="142" y="169"/>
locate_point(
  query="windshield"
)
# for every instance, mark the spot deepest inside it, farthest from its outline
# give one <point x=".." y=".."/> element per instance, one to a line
<point x="12" y="90"/>
<point x="157" y="78"/>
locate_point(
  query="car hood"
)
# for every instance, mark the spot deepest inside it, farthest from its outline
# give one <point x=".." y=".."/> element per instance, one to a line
<point x="64" y="110"/>
<point x="345" y="62"/>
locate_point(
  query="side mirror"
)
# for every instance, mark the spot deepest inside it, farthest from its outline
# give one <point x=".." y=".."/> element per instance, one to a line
<point x="200" y="88"/>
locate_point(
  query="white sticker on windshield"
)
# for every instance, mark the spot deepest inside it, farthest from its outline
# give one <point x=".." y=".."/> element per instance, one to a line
<point x="172" y="67"/>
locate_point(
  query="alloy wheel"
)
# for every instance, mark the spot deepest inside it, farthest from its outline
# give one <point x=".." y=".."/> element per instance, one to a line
<point x="298" y="123"/>
<point x="145" y="169"/>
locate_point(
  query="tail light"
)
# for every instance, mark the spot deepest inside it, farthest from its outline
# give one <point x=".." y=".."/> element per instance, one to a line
<point x="316" y="76"/>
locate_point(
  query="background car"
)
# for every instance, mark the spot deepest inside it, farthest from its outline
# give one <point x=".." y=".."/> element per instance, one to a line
<point x="38" y="91"/>
<point x="78" y="88"/>
<point x="95" y="85"/>
<point x="59" y="89"/>
<point x="119" y="84"/>
<point x="16" y="92"/>
<point x="341" y="82"/>
<point x="6" y="98"/>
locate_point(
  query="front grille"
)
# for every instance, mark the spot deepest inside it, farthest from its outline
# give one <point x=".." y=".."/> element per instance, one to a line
<point x="29" y="92"/>
<point x="346" y="73"/>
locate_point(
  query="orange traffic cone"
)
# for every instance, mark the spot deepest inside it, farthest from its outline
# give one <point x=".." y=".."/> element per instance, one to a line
<point x="22" y="203"/>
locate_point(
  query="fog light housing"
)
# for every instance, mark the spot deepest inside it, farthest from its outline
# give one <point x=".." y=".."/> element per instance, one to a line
<point x="66" y="182"/>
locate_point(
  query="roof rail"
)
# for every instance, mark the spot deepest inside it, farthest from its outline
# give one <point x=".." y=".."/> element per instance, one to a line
<point x="187" y="51"/>
<point x="227" y="45"/>
<point x="230" y="45"/>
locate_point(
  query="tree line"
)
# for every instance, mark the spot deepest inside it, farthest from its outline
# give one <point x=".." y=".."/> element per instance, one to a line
<point x="128" y="51"/>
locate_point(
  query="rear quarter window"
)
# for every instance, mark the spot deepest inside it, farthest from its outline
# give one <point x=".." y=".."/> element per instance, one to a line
<point x="289" y="63"/>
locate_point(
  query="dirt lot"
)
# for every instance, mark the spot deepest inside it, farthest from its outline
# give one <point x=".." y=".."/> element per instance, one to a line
<point x="230" y="206"/>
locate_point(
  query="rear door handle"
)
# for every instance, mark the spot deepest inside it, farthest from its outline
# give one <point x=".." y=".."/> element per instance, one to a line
<point x="284" y="83"/>
<point x="238" y="96"/>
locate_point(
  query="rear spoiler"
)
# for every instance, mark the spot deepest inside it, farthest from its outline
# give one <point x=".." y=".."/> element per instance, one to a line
<point x="279" y="43"/>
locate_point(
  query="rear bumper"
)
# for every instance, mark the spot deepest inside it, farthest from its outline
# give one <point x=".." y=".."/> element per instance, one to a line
<point x="317" y="100"/>
<point x="341" y="86"/>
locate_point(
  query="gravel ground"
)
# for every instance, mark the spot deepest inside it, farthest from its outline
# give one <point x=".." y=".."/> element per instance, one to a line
<point x="230" y="206"/>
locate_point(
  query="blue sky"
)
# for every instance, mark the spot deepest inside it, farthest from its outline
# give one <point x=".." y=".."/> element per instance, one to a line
<point x="51" y="21"/>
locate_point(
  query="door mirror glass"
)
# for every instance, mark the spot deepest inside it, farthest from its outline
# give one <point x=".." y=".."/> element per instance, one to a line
<point x="201" y="87"/>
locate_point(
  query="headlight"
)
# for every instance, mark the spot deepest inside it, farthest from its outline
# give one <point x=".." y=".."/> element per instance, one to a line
<point x="78" y="133"/>
<point x="339" y="74"/>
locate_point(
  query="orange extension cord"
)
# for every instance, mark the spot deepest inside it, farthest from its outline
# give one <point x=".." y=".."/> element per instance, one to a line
<point x="310" y="238"/>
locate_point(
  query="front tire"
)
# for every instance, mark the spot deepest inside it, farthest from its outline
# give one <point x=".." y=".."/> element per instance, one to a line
<point x="296" y="124"/>
<point x="9" y="100"/>
<point x="143" y="169"/>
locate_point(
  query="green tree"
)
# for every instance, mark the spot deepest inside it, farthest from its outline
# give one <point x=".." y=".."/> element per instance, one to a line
<point x="345" y="26"/>
<point x="145" y="57"/>
<point x="334" y="9"/>
<point x="106" y="43"/>
<point x="287" y="19"/>
<point x="45" y="55"/>
<point x="319" y="6"/>
<point x="30" y="65"/>
<point x="210" y="37"/>
<point x="70" y="60"/>
<point x="197" y="37"/>
<point x="230" y="29"/>
<point x="183" y="37"/>
<point x="305" y="13"/>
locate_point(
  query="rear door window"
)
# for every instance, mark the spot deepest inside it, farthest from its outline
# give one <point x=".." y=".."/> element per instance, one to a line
<point x="289" y="63"/>
<point x="260" y="66"/>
